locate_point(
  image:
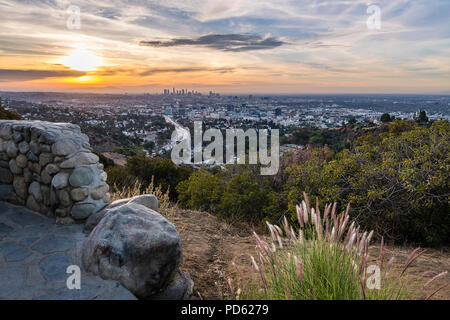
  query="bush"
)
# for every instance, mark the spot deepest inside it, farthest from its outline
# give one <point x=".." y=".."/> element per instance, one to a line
<point x="8" y="115"/>
<point x="327" y="259"/>
<point x="397" y="182"/>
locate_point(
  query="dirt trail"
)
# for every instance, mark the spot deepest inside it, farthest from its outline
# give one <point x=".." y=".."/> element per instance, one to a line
<point x="210" y="246"/>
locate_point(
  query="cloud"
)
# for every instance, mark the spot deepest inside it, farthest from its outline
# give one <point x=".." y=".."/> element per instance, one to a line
<point x="11" y="75"/>
<point x="223" y="42"/>
<point x="152" y="71"/>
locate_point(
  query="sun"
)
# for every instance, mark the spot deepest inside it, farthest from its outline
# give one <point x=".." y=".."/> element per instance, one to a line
<point x="82" y="59"/>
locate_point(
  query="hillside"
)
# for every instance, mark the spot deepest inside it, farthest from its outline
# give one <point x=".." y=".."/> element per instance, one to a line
<point x="210" y="246"/>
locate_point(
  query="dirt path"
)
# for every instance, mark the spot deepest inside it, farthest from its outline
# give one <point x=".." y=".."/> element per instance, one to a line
<point x="210" y="246"/>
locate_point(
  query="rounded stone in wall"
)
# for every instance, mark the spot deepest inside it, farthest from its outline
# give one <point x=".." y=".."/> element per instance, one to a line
<point x="99" y="192"/>
<point x="52" y="168"/>
<point x="22" y="161"/>
<point x="5" y="132"/>
<point x="35" y="147"/>
<point x="32" y="204"/>
<point x="81" y="211"/>
<point x="28" y="176"/>
<point x="32" y="157"/>
<point x="11" y="149"/>
<point x="81" y="158"/>
<point x="64" y="147"/>
<point x="17" y="137"/>
<point x="81" y="176"/>
<point x="64" y="198"/>
<point x="35" y="190"/>
<point x="60" y="180"/>
<point x="24" y="147"/>
<point x="46" y="177"/>
<point x="79" y="194"/>
<point x="15" y="169"/>
<point x="20" y="187"/>
<point x="45" y="158"/>
<point x="45" y="191"/>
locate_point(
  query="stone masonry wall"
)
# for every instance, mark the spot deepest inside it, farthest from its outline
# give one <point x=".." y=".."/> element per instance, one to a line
<point x="50" y="168"/>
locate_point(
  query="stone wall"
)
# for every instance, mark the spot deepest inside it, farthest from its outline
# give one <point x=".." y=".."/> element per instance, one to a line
<point x="50" y="168"/>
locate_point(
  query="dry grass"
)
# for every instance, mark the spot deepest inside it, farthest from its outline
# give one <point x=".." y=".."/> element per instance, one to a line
<point x="166" y="207"/>
<point x="210" y="246"/>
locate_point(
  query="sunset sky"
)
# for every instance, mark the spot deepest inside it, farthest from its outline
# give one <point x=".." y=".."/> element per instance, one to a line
<point x="230" y="46"/>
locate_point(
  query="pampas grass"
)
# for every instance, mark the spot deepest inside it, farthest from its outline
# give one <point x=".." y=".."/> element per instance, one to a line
<point x="326" y="259"/>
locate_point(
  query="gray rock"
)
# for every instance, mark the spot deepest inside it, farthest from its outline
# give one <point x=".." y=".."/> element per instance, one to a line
<point x="46" y="177"/>
<point x="20" y="187"/>
<point x="45" y="158"/>
<point x="81" y="158"/>
<point x="147" y="200"/>
<point x="32" y="204"/>
<point x="52" y="168"/>
<point x="180" y="288"/>
<point x="81" y="211"/>
<point x="32" y="157"/>
<point x="65" y="147"/>
<point x="60" y="180"/>
<point x="45" y="191"/>
<point x="79" y="194"/>
<point x="24" y="147"/>
<point x="6" y="176"/>
<point x="15" y="169"/>
<point x="22" y="161"/>
<point x="5" y="132"/>
<point x="99" y="192"/>
<point x="34" y="167"/>
<point x="64" y="198"/>
<point x="17" y="137"/>
<point x="35" y="147"/>
<point x="81" y="176"/>
<point x="103" y="176"/>
<point x="136" y="246"/>
<point x="11" y="149"/>
<point x="45" y="148"/>
<point x="35" y="190"/>
<point x="28" y="175"/>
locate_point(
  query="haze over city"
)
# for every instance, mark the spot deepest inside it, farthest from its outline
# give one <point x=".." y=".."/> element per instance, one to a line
<point x="234" y="46"/>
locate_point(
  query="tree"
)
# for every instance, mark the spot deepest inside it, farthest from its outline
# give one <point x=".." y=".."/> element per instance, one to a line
<point x="7" y="114"/>
<point x="385" y="117"/>
<point x="421" y="117"/>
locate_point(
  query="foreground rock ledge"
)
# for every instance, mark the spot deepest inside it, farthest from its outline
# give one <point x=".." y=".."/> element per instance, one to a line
<point x="138" y="247"/>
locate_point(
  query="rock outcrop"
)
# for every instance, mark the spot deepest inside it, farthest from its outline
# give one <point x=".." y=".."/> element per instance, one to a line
<point x="52" y="169"/>
<point x="138" y="247"/>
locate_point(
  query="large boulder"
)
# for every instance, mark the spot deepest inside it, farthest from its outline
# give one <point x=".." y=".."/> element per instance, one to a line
<point x="136" y="246"/>
<point x="147" y="200"/>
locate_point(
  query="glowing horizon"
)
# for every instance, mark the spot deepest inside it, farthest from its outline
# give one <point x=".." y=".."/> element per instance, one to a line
<point x="238" y="46"/>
